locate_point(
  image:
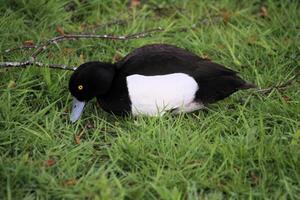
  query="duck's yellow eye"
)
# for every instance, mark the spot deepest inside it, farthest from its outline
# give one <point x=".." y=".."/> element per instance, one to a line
<point x="80" y="87"/>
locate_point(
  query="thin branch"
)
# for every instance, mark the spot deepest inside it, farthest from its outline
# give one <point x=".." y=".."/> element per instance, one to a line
<point x="279" y="87"/>
<point x="42" y="47"/>
<point x="39" y="64"/>
<point x="94" y="28"/>
<point x="56" y="66"/>
<point x="57" y="39"/>
<point x="15" y="64"/>
<point x="25" y="47"/>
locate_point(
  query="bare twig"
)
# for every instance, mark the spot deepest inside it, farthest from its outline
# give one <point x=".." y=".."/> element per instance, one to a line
<point x="279" y="87"/>
<point x="24" y="47"/>
<point x="56" y="66"/>
<point x="42" y="47"/>
<point x="14" y="64"/>
<point x="93" y="27"/>
<point x="39" y="64"/>
<point x="57" y="39"/>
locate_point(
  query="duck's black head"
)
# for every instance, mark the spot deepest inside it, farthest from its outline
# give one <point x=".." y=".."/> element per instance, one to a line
<point x="89" y="80"/>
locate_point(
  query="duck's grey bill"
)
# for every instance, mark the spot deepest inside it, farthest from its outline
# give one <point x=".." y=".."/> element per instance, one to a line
<point x="77" y="109"/>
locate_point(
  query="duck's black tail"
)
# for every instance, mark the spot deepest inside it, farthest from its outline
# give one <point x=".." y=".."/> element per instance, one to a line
<point x="220" y="87"/>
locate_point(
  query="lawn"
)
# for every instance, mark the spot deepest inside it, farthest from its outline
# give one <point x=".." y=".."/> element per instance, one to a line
<point x="244" y="147"/>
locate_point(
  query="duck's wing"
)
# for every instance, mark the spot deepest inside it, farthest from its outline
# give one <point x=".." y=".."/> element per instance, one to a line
<point x="160" y="59"/>
<point x="215" y="81"/>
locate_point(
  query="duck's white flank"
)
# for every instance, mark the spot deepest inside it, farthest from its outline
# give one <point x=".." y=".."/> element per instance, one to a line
<point x="153" y="95"/>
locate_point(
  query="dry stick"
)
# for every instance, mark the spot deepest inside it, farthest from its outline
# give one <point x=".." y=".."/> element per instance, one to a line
<point x="95" y="28"/>
<point x="279" y="87"/>
<point x="28" y="63"/>
<point x="56" y="66"/>
<point x="55" y="40"/>
<point x="26" y="47"/>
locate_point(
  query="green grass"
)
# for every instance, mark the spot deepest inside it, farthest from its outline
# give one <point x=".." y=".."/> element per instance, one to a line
<point x="245" y="147"/>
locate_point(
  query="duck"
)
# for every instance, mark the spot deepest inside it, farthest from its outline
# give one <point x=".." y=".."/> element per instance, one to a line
<point x="152" y="80"/>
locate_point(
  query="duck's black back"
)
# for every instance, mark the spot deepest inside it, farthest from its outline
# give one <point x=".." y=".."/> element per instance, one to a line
<point x="215" y="81"/>
<point x="159" y="59"/>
